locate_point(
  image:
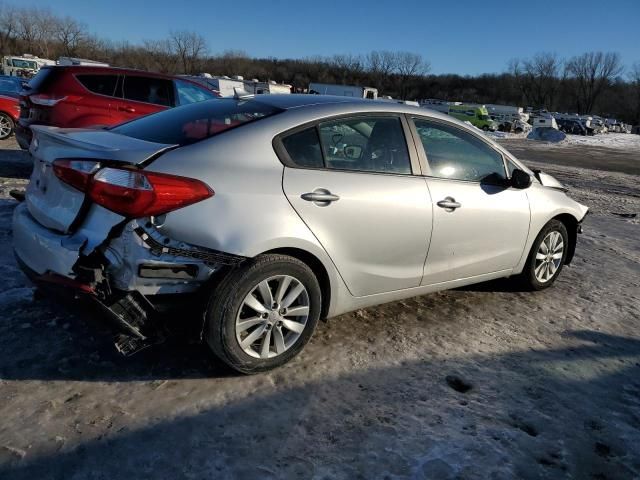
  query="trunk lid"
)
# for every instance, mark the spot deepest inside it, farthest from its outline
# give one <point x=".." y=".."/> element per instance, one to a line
<point x="53" y="203"/>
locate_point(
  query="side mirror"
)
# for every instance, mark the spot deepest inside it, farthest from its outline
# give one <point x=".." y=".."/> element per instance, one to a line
<point x="520" y="179"/>
<point x="353" y="152"/>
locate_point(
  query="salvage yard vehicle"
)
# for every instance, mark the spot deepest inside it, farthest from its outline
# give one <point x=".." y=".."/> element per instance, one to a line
<point x="84" y="96"/>
<point x="9" y="111"/>
<point x="272" y="212"/>
<point x="343" y="90"/>
<point x="477" y="115"/>
<point x="573" y="127"/>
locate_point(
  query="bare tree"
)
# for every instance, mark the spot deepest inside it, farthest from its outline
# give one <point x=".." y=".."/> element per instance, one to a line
<point x="161" y="55"/>
<point x="634" y="79"/>
<point x="189" y="47"/>
<point x="348" y="65"/>
<point x="538" y="78"/>
<point x="380" y="65"/>
<point x="8" y="26"/>
<point x="408" y="67"/>
<point x="592" y="72"/>
<point x="70" y="34"/>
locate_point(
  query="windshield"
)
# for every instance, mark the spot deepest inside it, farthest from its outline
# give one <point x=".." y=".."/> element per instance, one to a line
<point x="196" y="121"/>
<point x="24" y="64"/>
<point x="483" y="117"/>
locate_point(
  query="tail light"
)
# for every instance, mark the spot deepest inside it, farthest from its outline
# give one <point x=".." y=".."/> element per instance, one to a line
<point x="131" y="193"/>
<point x="76" y="173"/>
<point x="51" y="100"/>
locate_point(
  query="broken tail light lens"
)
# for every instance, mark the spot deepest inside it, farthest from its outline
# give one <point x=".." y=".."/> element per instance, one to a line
<point x="133" y="193"/>
<point x="76" y="173"/>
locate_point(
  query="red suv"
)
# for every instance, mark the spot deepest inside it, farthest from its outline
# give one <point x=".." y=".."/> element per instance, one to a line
<point x="75" y="96"/>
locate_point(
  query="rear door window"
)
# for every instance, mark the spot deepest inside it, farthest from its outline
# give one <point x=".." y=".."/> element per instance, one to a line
<point x="100" y="84"/>
<point x="157" y="91"/>
<point x="370" y="144"/>
<point x="304" y="148"/>
<point x="363" y="144"/>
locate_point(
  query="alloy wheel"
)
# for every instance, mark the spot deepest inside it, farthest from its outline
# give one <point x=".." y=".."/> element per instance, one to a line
<point x="5" y="126"/>
<point x="272" y="316"/>
<point x="549" y="256"/>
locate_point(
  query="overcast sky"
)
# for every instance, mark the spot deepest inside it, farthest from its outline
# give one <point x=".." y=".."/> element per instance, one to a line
<point x="465" y="37"/>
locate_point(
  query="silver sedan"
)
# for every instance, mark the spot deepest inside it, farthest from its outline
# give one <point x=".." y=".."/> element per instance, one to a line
<point x="267" y="214"/>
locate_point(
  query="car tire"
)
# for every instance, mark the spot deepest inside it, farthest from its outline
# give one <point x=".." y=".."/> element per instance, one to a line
<point x="547" y="256"/>
<point x="485" y="128"/>
<point x="235" y="300"/>
<point x="6" y="126"/>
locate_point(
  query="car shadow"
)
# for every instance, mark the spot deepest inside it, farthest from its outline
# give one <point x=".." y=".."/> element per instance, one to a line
<point x="526" y="414"/>
<point x="498" y="285"/>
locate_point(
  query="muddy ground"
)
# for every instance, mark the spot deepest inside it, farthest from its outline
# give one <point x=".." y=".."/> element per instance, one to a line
<point x="481" y="382"/>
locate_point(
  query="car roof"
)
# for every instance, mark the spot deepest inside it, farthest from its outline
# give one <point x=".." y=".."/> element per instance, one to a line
<point x="339" y="104"/>
<point x="100" y="69"/>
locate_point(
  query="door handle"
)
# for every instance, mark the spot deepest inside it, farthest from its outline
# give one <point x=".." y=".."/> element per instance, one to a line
<point x="127" y="109"/>
<point x="321" y="197"/>
<point x="449" y="204"/>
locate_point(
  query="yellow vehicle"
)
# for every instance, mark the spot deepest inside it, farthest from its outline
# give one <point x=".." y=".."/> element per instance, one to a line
<point x="477" y="115"/>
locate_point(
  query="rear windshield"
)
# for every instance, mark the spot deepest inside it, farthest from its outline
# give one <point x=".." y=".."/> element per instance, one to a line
<point x="197" y="121"/>
<point x="41" y="79"/>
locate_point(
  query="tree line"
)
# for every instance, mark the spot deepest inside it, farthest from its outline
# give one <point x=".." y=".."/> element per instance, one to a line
<point x="594" y="82"/>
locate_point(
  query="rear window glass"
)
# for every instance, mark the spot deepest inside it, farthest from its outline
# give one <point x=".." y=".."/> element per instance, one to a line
<point x="44" y="76"/>
<point x="101" y="84"/>
<point x="197" y="121"/>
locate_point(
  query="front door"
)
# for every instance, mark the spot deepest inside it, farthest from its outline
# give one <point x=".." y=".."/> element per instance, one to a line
<point x="480" y="224"/>
<point x="351" y="182"/>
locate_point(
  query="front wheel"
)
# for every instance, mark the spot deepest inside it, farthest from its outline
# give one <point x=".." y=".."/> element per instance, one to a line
<point x="547" y="256"/>
<point x="6" y="126"/>
<point x="263" y="313"/>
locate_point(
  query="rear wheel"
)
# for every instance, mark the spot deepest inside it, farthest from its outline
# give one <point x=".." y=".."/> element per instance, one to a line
<point x="263" y="313"/>
<point x="6" y="126"/>
<point x="547" y="256"/>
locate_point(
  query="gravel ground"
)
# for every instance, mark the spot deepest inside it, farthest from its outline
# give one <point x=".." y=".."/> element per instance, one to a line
<point x="481" y="382"/>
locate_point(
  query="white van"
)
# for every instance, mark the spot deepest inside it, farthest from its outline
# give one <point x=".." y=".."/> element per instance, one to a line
<point x="343" y="90"/>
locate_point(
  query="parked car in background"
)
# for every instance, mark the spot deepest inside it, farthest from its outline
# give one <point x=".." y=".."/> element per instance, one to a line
<point x="544" y="121"/>
<point x="273" y="212"/>
<point x="574" y="127"/>
<point x="19" y="66"/>
<point x="256" y="87"/>
<point x="9" y="112"/>
<point x="220" y="86"/>
<point x="84" y="96"/>
<point x="477" y="115"/>
<point x="11" y="86"/>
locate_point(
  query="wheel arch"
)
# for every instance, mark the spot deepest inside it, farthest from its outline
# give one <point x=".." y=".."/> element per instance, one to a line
<point x="318" y="269"/>
<point x="571" y="224"/>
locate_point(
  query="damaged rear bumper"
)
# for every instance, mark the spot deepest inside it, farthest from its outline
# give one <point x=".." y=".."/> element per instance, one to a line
<point x="117" y="267"/>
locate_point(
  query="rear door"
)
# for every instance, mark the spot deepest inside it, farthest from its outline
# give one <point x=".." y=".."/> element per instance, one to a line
<point x="480" y="224"/>
<point x="98" y="107"/>
<point x="352" y="182"/>
<point x="144" y="95"/>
